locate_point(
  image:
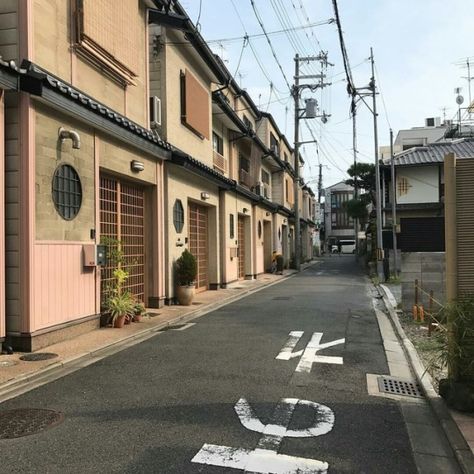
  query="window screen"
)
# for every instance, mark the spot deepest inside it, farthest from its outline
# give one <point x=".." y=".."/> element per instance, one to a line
<point x="67" y="192"/>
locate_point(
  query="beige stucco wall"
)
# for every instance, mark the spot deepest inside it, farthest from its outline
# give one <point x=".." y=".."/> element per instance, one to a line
<point x="181" y="184"/>
<point x="115" y="157"/>
<point x="175" y="59"/>
<point x="51" y="153"/>
<point x="53" y="52"/>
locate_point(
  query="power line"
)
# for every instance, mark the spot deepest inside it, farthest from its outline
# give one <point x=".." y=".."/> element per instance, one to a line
<point x="269" y="42"/>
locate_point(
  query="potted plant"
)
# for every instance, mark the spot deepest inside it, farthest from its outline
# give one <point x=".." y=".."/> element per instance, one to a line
<point x="120" y="308"/>
<point x="119" y="303"/>
<point x="186" y="271"/>
<point x="138" y="311"/>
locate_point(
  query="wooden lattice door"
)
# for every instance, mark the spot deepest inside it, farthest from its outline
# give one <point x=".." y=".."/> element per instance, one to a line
<point x="198" y="243"/>
<point x="241" y="240"/>
<point x="122" y="212"/>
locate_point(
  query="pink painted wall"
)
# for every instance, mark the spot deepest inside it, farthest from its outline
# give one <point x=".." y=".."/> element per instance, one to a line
<point x="63" y="289"/>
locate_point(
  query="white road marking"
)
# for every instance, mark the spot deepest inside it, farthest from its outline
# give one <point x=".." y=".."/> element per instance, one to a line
<point x="309" y="355"/>
<point x="264" y="459"/>
<point x="287" y="352"/>
<point x="261" y="461"/>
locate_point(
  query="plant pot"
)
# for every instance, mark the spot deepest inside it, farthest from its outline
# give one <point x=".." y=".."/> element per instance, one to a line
<point x="119" y="321"/>
<point x="137" y="318"/>
<point x="185" y="294"/>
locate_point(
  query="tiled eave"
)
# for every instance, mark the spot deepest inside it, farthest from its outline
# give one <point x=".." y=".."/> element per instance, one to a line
<point x="72" y="101"/>
<point x="182" y="159"/>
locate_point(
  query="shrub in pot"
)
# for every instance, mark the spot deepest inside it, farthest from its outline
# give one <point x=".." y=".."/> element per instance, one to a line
<point x="119" y="304"/>
<point x="138" y="311"/>
<point x="185" y="271"/>
<point x="120" y="307"/>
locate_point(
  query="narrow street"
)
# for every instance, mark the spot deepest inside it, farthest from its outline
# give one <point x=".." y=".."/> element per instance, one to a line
<point x="232" y="392"/>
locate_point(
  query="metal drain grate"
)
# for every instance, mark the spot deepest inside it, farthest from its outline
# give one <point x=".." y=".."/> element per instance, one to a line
<point x="282" y="298"/>
<point x="38" y="356"/>
<point x="399" y="387"/>
<point x="24" y="422"/>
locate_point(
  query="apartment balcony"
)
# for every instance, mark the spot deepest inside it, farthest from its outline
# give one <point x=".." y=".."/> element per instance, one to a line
<point x="244" y="178"/>
<point x="220" y="163"/>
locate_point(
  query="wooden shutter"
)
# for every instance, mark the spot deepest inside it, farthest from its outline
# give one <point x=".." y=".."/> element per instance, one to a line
<point x="198" y="243"/>
<point x="196" y="109"/>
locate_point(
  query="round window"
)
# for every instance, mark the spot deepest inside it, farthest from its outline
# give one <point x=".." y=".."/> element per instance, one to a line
<point x="259" y="229"/>
<point x="67" y="192"/>
<point x="178" y="216"/>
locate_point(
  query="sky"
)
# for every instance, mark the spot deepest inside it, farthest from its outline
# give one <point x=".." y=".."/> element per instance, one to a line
<point x="417" y="44"/>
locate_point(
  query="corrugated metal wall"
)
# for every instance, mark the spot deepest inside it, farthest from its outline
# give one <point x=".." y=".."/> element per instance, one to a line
<point x="465" y="224"/>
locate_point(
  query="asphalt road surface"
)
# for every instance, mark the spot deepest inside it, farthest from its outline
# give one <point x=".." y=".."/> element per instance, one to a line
<point x="215" y="398"/>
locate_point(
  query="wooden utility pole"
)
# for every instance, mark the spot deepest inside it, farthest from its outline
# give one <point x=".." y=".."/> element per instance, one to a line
<point x="394" y="206"/>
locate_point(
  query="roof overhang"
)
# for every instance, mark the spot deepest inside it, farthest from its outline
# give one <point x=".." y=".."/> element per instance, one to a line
<point x="71" y="101"/>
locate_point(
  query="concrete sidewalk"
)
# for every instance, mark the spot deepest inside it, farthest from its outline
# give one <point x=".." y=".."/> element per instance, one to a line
<point x="458" y="427"/>
<point x="17" y="376"/>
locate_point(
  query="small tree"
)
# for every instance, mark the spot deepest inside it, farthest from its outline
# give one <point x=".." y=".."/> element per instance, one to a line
<point x="186" y="269"/>
<point x="363" y="177"/>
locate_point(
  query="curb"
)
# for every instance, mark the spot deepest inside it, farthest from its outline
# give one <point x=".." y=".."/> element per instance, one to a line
<point x="26" y="382"/>
<point x="461" y="449"/>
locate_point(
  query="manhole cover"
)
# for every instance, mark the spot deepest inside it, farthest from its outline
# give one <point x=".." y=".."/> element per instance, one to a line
<point x="38" y="356"/>
<point x="8" y="363"/>
<point x="25" y="422"/>
<point x="399" y="387"/>
<point x="282" y="298"/>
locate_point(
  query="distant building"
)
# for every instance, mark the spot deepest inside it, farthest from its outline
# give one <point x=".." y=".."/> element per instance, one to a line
<point x="337" y="223"/>
<point x="432" y="132"/>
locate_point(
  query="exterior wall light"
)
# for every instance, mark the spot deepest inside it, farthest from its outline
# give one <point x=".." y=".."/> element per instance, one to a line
<point x="137" y="166"/>
<point x="205" y="196"/>
<point x="267" y="213"/>
<point x="245" y="210"/>
<point x="284" y="221"/>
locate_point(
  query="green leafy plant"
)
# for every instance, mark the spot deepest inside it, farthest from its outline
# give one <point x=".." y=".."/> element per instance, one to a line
<point x="119" y="302"/>
<point x="139" y="308"/>
<point x="119" y="305"/>
<point x="186" y="269"/>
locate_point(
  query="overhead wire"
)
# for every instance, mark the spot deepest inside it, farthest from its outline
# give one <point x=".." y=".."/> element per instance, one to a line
<point x="269" y="43"/>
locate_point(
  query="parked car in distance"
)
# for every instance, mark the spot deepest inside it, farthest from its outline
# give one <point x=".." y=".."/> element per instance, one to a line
<point x="347" y="246"/>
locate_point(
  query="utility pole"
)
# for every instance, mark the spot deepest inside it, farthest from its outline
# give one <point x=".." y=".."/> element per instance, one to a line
<point x="320" y="183"/>
<point x="354" y="147"/>
<point x="394" y="206"/>
<point x="378" y="201"/>
<point x="308" y="112"/>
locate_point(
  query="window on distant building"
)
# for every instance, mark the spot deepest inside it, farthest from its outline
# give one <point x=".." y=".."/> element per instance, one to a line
<point x="195" y="110"/>
<point x="217" y="143"/>
<point x="274" y="146"/>
<point x="285" y="156"/>
<point x="247" y="122"/>
<point x="265" y="177"/>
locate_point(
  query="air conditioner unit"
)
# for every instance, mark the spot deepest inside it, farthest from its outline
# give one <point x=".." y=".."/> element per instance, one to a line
<point x="258" y="189"/>
<point x="155" y="112"/>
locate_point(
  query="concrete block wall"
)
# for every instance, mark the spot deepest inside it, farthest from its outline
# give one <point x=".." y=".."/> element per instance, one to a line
<point x="430" y="270"/>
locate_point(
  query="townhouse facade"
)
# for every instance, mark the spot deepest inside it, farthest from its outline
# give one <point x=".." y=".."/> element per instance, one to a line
<point x="141" y="141"/>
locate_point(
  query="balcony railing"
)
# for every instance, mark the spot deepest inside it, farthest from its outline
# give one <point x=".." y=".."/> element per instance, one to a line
<point x="220" y="163"/>
<point x="244" y="178"/>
